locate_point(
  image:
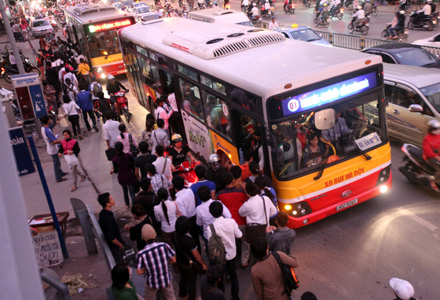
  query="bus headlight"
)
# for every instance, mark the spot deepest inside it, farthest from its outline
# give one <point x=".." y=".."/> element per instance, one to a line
<point x="298" y="209"/>
<point x="384" y="175"/>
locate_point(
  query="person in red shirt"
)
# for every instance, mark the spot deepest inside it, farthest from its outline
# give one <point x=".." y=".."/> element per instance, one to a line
<point x="431" y="149"/>
<point x="247" y="156"/>
<point x="233" y="198"/>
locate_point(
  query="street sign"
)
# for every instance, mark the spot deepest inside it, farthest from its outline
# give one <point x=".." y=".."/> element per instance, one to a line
<point x="29" y="95"/>
<point x="23" y="159"/>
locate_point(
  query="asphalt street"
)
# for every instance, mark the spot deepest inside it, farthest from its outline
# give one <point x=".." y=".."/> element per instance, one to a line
<point x="350" y="255"/>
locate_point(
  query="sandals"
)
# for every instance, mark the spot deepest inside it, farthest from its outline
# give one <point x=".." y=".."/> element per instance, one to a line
<point x="83" y="178"/>
<point x="73" y="188"/>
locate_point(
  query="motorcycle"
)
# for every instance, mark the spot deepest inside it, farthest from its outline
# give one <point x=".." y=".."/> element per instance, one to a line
<point x="306" y="3"/>
<point x="8" y="70"/>
<point x="266" y="13"/>
<point x="402" y="34"/>
<point x="338" y="12"/>
<point x="289" y="8"/>
<point x="52" y="115"/>
<point x="416" y="169"/>
<point x="186" y="170"/>
<point x="436" y="17"/>
<point x="426" y="22"/>
<point x="323" y="21"/>
<point x="255" y="20"/>
<point x="362" y="27"/>
<point x="122" y="104"/>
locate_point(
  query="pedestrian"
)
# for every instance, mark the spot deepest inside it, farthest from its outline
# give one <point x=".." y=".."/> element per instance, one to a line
<point x="111" y="130"/>
<point x="157" y="180"/>
<point x="142" y="160"/>
<point x="200" y="171"/>
<point x="236" y="172"/>
<point x="50" y="95"/>
<point x="266" y="275"/>
<point x="84" y="101"/>
<point x="186" y="202"/>
<point x="160" y="136"/>
<point x="53" y="80"/>
<point x="187" y="257"/>
<point x="154" y="261"/>
<point x="71" y="110"/>
<point x="141" y="218"/>
<point x="109" y="227"/>
<point x="84" y="71"/>
<point x="122" y="286"/>
<point x="280" y="238"/>
<point x="245" y="172"/>
<point x="254" y="169"/>
<point x="52" y="148"/>
<point x="69" y="75"/>
<point x="95" y="88"/>
<point x="164" y="112"/>
<point x="215" y="171"/>
<point x="70" y="89"/>
<point x="233" y="198"/>
<point x="166" y="213"/>
<point x="70" y="149"/>
<point x="163" y="164"/>
<point x="148" y="200"/>
<point x="123" y="165"/>
<point x="308" y="296"/>
<point x="104" y="106"/>
<point x="210" y="282"/>
<point x="203" y="216"/>
<point x="127" y="140"/>
<point x="150" y="125"/>
<point x="257" y="210"/>
<point x="227" y="230"/>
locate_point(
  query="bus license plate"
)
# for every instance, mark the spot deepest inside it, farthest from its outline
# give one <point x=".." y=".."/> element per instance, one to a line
<point x="347" y="204"/>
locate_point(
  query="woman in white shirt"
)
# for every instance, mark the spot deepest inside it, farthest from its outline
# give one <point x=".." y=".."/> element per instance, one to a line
<point x="124" y="138"/>
<point x="166" y="213"/>
<point x="71" y="110"/>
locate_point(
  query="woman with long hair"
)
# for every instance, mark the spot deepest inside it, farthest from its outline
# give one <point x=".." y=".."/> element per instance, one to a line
<point x="150" y="125"/>
<point x="166" y="212"/>
<point x="187" y="256"/>
<point x="124" y="138"/>
<point x="123" y="165"/>
<point x="70" y="149"/>
<point x="71" y="110"/>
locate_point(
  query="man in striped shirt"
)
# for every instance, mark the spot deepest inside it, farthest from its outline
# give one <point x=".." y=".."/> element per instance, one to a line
<point x="154" y="261"/>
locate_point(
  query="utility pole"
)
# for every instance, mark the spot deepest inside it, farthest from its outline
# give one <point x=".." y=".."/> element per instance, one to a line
<point x="11" y="38"/>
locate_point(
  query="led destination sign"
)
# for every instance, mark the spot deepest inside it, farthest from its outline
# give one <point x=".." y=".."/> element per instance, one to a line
<point x="329" y="94"/>
<point x="108" y="26"/>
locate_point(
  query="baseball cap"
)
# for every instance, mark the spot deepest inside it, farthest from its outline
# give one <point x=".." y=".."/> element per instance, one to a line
<point x="148" y="232"/>
<point x="402" y="288"/>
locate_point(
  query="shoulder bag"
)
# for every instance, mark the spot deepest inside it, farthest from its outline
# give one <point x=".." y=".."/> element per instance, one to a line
<point x="255" y="230"/>
<point x="133" y="148"/>
<point x="191" y="263"/>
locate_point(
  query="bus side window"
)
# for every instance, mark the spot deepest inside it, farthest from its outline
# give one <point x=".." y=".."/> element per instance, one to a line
<point x="218" y="118"/>
<point x="145" y="66"/>
<point x="191" y="99"/>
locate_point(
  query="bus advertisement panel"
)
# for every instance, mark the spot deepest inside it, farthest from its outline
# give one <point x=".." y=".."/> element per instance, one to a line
<point x="318" y="131"/>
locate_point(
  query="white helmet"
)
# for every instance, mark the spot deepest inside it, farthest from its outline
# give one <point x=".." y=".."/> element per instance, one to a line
<point x="402" y="288"/>
<point x="359" y="7"/>
<point x="434" y="124"/>
<point x="253" y="4"/>
<point x="110" y="77"/>
<point x="214" y="158"/>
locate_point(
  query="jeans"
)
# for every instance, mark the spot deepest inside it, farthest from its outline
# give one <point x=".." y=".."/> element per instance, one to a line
<point x="167" y="293"/>
<point x="393" y="31"/>
<point x="231" y="266"/>
<point x="74" y="120"/>
<point x="128" y="189"/>
<point x="92" y="116"/>
<point x="57" y="167"/>
<point x="75" y="173"/>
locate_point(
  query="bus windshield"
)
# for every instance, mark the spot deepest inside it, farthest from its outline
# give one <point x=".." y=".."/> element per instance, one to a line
<point x="298" y="146"/>
<point x="103" y="43"/>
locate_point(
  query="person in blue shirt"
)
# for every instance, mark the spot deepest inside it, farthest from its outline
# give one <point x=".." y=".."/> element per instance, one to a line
<point x="84" y="101"/>
<point x="200" y="171"/>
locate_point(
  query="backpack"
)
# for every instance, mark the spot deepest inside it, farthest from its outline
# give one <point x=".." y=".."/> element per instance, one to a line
<point x="290" y="279"/>
<point x="96" y="89"/>
<point x="216" y="249"/>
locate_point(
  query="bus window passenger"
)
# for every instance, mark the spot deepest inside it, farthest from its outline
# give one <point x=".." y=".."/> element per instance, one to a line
<point x="314" y="152"/>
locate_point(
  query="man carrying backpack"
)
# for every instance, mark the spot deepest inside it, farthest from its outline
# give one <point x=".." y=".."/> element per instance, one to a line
<point x="267" y="277"/>
<point x="95" y="87"/>
<point x="227" y="230"/>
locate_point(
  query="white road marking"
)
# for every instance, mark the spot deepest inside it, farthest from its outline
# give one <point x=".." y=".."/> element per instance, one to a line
<point x="419" y="220"/>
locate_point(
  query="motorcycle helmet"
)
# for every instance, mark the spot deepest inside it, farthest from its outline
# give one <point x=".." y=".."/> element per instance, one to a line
<point x="110" y="77"/>
<point x="176" y="138"/>
<point x="253" y="4"/>
<point x="359" y="7"/>
<point x="214" y="161"/>
<point x="402" y="288"/>
<point x="325" y="4"/>
<point x="434" y="124"/>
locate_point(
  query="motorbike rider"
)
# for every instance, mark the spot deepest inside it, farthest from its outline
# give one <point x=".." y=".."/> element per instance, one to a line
<point x="358" y="17"/>
<point x="255" y="11"/>
<point x="424" y="12"/>
<point x="334" y="6"/>
<point x="267" y="6"/>
<point x="322" y="12"/>
<point x="368" y="7"/>
<point x="114" y="86"/>
<point x="178" y="151"/>
<point x="431" y="149"/>
<point x="403" y="4"/>
<point x="396" y="24"/>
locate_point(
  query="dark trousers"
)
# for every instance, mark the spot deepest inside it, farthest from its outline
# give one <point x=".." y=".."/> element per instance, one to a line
<point x="57" y="167"/>
<point x="74" y="120"/>
<point x="128" y="189"/>
<point x="187" y="283"/>
<point x="231" y="267"/>
<point x="92" y="116"/>
<point x="194" y="232"/>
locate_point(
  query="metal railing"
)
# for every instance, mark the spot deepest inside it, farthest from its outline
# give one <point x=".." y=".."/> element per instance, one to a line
<point x="361" y="42"/>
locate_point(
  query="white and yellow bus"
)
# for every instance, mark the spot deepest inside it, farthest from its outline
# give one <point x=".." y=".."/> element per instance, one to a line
<point x="94" y="28"/>
<point x="235" y="84"/>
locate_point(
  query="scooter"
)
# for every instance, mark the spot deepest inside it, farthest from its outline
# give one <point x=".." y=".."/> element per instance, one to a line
<point x="338" y="12"/>
<point x="186" y="170"/>
<point x="416" y="169"/>
<point x="425" y="22"/>
<point x="266" y="13"/>
<point x="122" y="103"/>
<point x="402" y="34"/>
<point x="289" y="8"/>
<point x="323" y="21"/>
<point x="362" y="27"/>
<point x="8" y="70"/>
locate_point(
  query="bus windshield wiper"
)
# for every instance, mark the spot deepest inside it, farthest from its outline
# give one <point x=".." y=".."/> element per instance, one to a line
<point x="365" y="154"/>
<point x="321" y="170"/>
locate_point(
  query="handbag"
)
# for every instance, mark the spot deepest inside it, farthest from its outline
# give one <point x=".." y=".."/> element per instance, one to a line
<point x="110" y="153"/>
<point x="133" y="148"/>
<point x="255" y="230"/>
<point x="191" y="263"/>
<point x="71" y="160"/>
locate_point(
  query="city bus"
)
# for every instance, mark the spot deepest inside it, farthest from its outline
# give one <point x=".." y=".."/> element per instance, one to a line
<point x="239" y="89"/>
<point x="94" y="28"/>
